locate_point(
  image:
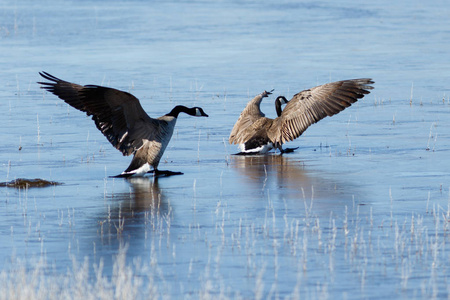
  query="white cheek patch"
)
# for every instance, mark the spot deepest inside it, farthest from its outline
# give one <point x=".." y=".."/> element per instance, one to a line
<point x="198" y="113"/>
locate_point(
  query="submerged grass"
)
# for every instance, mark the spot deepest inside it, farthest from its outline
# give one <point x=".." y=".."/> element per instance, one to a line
<point x="79" y="283"/>
<point x="280" y="254"/>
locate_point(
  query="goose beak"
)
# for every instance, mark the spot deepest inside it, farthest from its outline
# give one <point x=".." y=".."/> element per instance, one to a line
<point x="266" y="93"/>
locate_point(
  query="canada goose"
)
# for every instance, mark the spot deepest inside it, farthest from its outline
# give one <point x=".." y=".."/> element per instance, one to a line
<point x="123" y="121"/>
<point x="257" y="134"/>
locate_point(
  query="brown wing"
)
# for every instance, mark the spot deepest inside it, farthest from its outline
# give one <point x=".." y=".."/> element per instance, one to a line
<point x="257" y="129"/>
<point x="243" y="124"/>
<point x="118" y="115"/>
<point x="311" y="106"/>
<point x="248" y="117"/>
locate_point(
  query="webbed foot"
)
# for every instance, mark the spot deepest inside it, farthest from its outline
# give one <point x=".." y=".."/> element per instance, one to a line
<point x="288" y="150"/>
<point x="247" y="153"/>
<point x="164" y="173"/>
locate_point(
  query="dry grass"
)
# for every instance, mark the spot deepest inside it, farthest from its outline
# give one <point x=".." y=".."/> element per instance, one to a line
<point x="79" y="282"/>
<point x="275" y="256"/>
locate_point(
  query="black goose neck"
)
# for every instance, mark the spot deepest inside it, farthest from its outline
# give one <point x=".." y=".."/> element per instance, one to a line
<point x="278" y="105"/>
<point x="177" y="109"/>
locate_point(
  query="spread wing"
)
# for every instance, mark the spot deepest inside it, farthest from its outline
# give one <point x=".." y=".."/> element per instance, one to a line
<point x="247" y="119"/>
<point x="311" y="106"/>
<point x="118" y="115"/>
<point x="257" y="129"/>
<point x="242" y="126"/>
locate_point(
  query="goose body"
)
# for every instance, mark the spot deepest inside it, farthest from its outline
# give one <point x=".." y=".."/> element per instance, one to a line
<point x="123" y="121"/>
<point x="257" y="134"/>
<point x="252" y="117"/>
<point x="260" y="143"/>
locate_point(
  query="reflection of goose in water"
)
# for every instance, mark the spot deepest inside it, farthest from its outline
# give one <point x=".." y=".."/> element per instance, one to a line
<point x="144" y="203"/>
<point x="266" y="170"/>
<point x="144" y="195"/>
<point x="285" y="177"/>
<point x="130" y="217"/>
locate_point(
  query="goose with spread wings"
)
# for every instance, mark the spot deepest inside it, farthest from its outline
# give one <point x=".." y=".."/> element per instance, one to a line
<point x="257" y="134"/>
<point x="123" y="121"/>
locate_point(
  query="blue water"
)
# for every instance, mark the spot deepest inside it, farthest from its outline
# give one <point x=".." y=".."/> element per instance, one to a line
<point x="359" y="211"/>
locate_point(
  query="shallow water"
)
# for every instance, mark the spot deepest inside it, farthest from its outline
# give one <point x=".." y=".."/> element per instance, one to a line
<point x="362" y="204"/>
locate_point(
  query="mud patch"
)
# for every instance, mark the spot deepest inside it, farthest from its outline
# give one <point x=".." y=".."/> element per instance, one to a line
<point x="22" y="183"/>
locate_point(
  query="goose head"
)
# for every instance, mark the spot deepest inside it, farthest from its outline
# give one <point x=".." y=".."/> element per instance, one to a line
<point x="282" y="100"/>
<point x="278" y="102"/>
<point x="266" y="93"/>
<point x="199" y="112"/>
<point x="192" y="111"/>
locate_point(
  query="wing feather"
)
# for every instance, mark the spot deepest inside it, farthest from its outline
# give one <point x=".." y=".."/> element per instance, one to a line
<point x="310" y="106"/>
<point x="117" y="114"/>
<point x="247" y="119"/>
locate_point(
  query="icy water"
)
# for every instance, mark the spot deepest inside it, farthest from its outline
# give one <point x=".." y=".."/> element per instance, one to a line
<point x="360" y="210"/>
